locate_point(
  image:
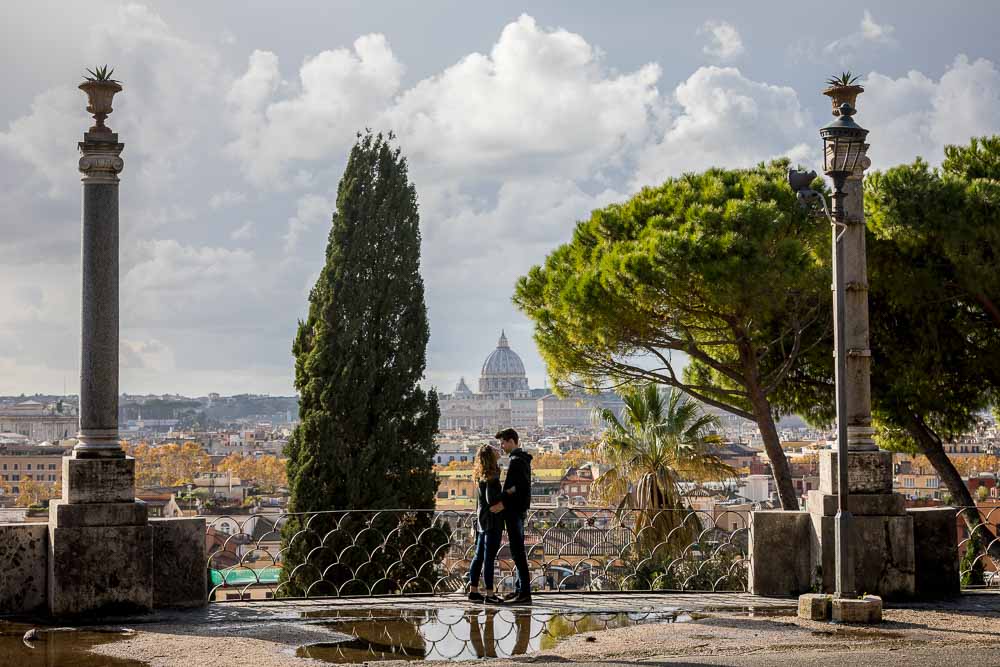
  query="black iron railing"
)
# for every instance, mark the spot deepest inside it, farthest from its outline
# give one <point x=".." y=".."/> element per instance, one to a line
<point x="409" y="552"/>
<point x="979" y="546"/>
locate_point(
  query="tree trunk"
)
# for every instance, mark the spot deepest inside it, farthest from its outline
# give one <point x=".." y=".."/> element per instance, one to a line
<point x="772" y="446"/>
<point x="929" y="444"/>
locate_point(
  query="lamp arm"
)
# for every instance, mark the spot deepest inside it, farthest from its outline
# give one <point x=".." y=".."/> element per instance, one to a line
<point x="805" y="195"/>
<point x="829" y="216"/>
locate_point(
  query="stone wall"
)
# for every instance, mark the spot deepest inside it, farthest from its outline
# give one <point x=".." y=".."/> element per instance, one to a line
<point x="178" y="563"/>
<point x="23" y="559"/>
<point x="937" y="551"/>
<point x="780" y="555"/>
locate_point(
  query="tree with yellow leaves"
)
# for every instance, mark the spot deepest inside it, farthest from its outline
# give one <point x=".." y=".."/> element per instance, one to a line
<point x="168" y="464"/>
<point x="267" y="472"/>
<point x="32" y="492"/>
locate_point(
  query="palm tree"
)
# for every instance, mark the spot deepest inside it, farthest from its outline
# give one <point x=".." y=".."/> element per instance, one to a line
<point x="663" y="439"/>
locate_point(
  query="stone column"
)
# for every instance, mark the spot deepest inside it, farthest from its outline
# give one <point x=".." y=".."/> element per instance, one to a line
<point x="859" y="410"/>
<point x="100" y="539"/>
<point x="105" y="556"/>
<point x="100" y="165"/>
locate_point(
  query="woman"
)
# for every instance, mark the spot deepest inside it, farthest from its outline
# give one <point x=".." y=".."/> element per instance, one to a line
<point x="489" y="526"/>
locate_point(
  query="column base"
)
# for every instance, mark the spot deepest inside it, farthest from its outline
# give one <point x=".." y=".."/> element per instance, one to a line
<point x="98" y="443"/>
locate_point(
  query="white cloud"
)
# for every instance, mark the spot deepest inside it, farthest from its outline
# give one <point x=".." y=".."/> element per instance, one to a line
<point x="869" y="34"/>
<point x="338" y="93"/>
<point x="171" y="284"/>
<point x="311" y="210"/>
<point x="245" y="232"/>
<point x="225" y="199"/>
<point x="875" y="32"/>
<point x="159" y="114"/>
<point x="725" y="41"/>
<point x="45" y="139"/>
<point x="151" y="354"/>
<point x="726" y="119"/>
<point x="541" y="99"/>
<point x="915" y="115"/>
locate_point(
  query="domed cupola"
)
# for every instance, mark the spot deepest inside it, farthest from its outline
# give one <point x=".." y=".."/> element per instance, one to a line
<point x="503" y="374"/>
<point x="462" y="390"/>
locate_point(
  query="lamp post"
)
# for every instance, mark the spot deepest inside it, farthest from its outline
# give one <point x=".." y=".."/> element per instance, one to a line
<point x="844" y="148"/>
<point x="844" y="157"/>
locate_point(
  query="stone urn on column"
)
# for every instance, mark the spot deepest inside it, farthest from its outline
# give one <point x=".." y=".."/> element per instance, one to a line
<point x="105" y="556"/>
<point x="100" y="540"/>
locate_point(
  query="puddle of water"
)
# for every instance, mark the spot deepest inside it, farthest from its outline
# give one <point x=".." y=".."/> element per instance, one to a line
<point x="63" y="647"/>
<point x="458" y="634"/>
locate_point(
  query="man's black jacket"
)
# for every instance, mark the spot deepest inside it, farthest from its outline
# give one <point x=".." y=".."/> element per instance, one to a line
<point x="518" y="478"/>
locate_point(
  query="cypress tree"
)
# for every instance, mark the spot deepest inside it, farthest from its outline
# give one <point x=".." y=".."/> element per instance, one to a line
<point x="366" y="436"/>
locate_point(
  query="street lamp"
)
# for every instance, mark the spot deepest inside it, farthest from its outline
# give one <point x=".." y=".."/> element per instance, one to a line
<point x="844" y="151"/>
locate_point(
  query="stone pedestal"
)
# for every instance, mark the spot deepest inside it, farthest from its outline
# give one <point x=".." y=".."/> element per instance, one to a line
<point x="881" y="540"/>
<point x="100" y="570"/>
<point x="100" y="541"/>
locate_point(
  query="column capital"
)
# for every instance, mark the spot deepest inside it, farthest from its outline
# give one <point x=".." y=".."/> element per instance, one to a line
<point x="101" y="160"/>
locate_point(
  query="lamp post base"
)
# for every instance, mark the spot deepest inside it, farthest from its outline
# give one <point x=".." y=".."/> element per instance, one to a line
<point x="845" y="563"/>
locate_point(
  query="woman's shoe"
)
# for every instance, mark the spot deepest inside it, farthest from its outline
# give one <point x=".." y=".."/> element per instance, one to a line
<point x="476" y="596"/>
<point x="492" y="599"/>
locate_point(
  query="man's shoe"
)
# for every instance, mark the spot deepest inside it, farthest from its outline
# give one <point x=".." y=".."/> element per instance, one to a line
<point x="492" y="599"/>
<point x="511" y="596"/>
<point x="520" y="599"/>
<point x="476" y="597"/>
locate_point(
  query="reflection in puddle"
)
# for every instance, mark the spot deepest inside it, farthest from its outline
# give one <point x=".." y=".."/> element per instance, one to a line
<point x="459" y="634"/>
<point x="57" y="647"/>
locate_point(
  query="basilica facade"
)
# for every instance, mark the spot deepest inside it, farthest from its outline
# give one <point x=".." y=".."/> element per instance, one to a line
<point x="504" y="397"/>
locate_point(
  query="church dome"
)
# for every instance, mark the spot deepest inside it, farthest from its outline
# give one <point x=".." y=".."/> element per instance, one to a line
<point x="503" y="372"/>
<point x="503" y="360"/>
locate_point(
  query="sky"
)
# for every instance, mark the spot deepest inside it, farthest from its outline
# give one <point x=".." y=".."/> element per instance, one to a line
<point x="517" y="121"/>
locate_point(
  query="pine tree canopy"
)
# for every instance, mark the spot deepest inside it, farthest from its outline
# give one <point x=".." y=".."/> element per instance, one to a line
<point x="723" y="266"/>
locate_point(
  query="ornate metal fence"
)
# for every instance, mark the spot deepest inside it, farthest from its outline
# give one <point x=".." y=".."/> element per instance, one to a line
<point x="981" y="567"/>
<point x="407" y="552"/>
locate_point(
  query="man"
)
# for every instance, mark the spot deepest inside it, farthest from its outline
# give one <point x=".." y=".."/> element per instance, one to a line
<point x="516" y="501"/>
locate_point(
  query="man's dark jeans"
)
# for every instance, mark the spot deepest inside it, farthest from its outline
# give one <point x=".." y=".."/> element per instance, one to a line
<point x="487" y="546"/>
<point x="515" y="538"/>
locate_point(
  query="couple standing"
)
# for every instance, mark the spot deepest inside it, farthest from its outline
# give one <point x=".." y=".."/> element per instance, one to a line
<point x="499" y="507"/>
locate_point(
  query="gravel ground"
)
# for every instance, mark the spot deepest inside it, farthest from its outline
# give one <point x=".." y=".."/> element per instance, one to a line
<point x="906" y="637"/>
